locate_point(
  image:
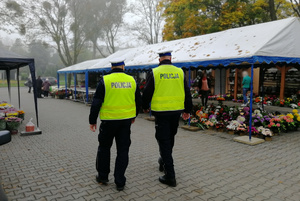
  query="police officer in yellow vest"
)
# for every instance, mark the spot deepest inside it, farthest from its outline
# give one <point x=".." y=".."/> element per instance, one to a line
<point x="117" y="100"/>
<point x="167" y="91"/>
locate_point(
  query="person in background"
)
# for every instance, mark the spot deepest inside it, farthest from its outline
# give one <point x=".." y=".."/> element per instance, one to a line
<point x="46" y="87"/>
<point x="204" y="88"/>
<point x="170" y="96"/>
<point x="246" y="86"/>
<point x="29" y="84"/>
<point x="117" y="101"/>
<point x="39" y="85"/>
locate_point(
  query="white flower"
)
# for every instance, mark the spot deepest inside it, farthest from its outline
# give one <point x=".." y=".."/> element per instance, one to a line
<point x="294" y="106"/>
<point x="256" y="112"/>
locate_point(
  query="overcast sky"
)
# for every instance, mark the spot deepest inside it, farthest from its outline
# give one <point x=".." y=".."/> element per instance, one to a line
<point x="124" y="37"/>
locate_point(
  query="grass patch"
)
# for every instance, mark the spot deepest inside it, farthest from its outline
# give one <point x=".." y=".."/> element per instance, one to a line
<point x="13" y="83"/>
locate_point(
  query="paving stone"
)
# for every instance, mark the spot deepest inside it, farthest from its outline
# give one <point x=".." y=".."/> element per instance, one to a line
<point x="60" y="163"/>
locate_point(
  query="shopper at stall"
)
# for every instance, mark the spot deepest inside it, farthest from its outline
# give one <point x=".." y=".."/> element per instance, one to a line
<point x="46" y="87"/>
<point x="246" y="86"/>
<point x="118" y="99"/>
<point x="169" y="94"/>
<point x="204" y="88"/>
<point x="29" y="84"/>
<point x="39" y="85"/>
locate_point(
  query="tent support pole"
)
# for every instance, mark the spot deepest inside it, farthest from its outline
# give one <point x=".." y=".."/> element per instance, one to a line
<point x="33" y="78"/>
<point x="87" y="86"/>
<point x="57" y="80"/>
<point x="66" y="85"/>
<point x="18" y="80"/>
<point x="190" y="87"/>
<point x="282" y="84"/>
<point x="251" y="101"/>
<point x="8" y="84"/>
<point x="236" y="83"/>
<point x="75" y="83"/>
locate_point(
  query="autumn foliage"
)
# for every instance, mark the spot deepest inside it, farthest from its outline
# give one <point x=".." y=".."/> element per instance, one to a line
<point x="186" y="18"/>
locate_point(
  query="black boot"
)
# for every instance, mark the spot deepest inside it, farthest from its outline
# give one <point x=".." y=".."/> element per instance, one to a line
<point x="101" y="180"/>
<point x="120" y="188"/>
<point x="168" y="181"/>
<point x="161" y="164"/>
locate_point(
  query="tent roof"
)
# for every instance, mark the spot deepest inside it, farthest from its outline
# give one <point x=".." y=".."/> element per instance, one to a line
<point x="80" y="67"/>
<point x="276" y="41"/>
<point x="273" y="41"/>
<point x="10" y="60"/>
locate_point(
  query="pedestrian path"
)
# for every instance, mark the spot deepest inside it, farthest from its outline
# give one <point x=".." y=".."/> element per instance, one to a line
<point x="60" y="163"/>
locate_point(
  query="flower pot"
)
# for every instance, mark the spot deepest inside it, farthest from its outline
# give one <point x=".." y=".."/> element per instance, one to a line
<point x="230" y="132"/>
<point x="268" y="138"/>
<point x="12" y="125"/>
<point x="22" y="116"/>
<point x="211" y="128"/>
<point x="14" y="132"/>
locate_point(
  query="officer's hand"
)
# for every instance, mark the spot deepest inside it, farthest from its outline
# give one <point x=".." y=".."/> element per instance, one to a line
<point x="132" y="121"/>
<point x="146" y="111"/>
<point x="93" y="127"/>
<point x="186" y="116"/>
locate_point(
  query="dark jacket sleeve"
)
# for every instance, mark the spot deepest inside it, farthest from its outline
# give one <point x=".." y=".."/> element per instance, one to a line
<point x="138" y="99"/>
<point x="188" y="103"/>
<point x="97" y="102"/>
<point x="148" y="91"/>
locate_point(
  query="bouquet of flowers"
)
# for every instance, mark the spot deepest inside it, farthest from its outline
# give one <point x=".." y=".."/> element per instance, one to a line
<point x="254" y="131"/>
<point x="264" y="131"/>
<point x="13" y="123"/>
<point x="21" y="114"/>
<point x="233" y="125"/>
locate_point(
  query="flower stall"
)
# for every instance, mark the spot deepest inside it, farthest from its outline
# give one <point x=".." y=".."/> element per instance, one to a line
<point x="235" y="120"/>
<point x="10" y="117"/>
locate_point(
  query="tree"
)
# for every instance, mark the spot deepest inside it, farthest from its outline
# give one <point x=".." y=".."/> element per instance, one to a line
<point x="107" y="18"/>
<point x="41" y="54"/>
<point x="296" y="6"/>
<point x="148" y="27"/>
<point x="186" y="18"/>
<point x="57" y="22"/>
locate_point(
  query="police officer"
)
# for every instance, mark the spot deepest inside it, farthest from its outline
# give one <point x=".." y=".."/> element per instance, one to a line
<point x="169" y="94"/>
<point x="118" y="100"/>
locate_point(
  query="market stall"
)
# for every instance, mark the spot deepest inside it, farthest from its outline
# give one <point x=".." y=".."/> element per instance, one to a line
<point x="269" y="44"/>
<point x="11" y="61"/>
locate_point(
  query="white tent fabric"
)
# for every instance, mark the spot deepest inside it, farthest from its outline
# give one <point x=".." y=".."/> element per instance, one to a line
<point x="80" y="67"/>
<point x="276" y="41"/>
<point x="256" y="42"/>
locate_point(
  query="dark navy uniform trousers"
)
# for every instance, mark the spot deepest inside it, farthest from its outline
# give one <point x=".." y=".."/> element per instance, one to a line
<point x="166" y="128"/>
<point x="120" y="131"/>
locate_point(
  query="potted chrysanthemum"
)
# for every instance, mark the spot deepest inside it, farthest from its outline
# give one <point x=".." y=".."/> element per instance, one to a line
<point x="13" y="124"/>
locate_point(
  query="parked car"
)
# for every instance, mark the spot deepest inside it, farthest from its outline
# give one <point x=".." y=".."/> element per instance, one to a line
<point x="52" y="80"/>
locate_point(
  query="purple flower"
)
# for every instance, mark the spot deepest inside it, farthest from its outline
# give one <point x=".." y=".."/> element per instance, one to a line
<point x="246" y="109"/>
<point x="255" y="121"/>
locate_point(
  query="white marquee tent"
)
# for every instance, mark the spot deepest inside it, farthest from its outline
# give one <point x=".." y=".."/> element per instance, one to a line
<point x="277" y="41"/>
<point x="266" y="43"/>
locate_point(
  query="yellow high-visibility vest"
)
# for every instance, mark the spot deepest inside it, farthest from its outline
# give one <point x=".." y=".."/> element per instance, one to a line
<point x="169" y="89"/>
<point x="119" y="100"/>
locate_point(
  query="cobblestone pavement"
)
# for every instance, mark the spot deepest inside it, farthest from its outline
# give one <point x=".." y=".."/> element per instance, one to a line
<point x="60" y="163"/>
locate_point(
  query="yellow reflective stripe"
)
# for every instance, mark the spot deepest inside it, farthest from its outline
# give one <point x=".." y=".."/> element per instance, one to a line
<point x="163" y="105"/>
<point x="168" y="98"/>
<point x="110" y="115"/>
<point x="108" y="107"/>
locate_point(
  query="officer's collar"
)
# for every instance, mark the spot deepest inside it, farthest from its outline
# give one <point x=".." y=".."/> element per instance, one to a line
<point x="164" y="62"/>
<point x="117" y="70"/>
